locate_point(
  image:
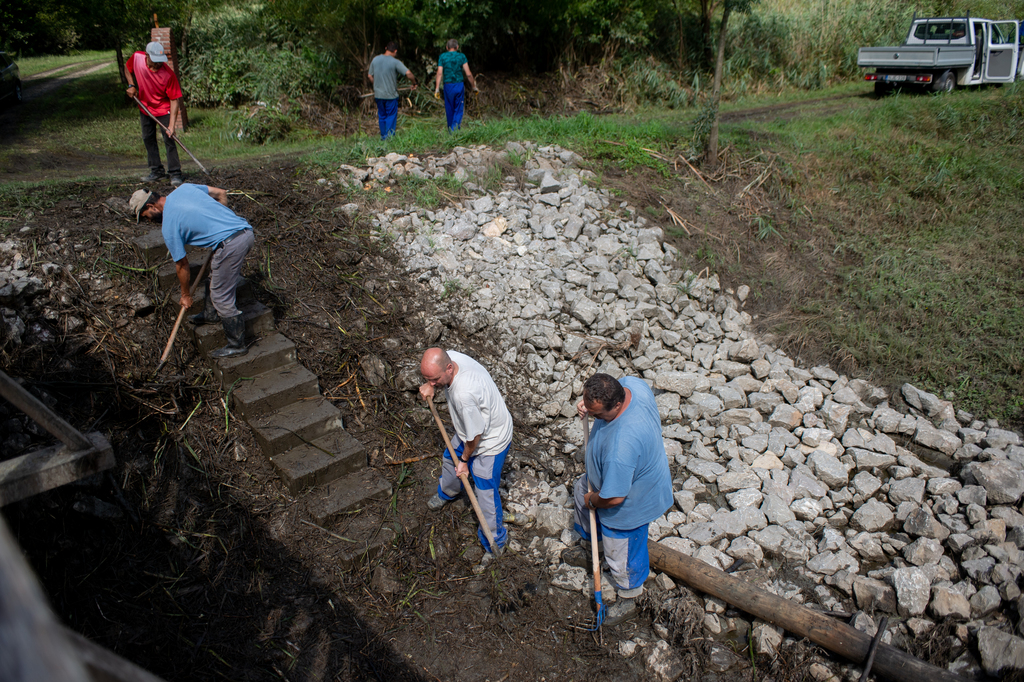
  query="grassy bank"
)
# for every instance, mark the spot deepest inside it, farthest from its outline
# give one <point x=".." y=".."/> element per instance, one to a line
<point x="893" y="248"/>
<point x="918" y="223"/>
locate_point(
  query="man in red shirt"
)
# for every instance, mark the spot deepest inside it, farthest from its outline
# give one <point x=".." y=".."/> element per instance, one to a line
<point x="156" y="86"/>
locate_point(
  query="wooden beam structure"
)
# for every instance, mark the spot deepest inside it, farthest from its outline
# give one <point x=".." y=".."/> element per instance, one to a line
<point x="823" y="630"/>
<point x="80" y="455"/>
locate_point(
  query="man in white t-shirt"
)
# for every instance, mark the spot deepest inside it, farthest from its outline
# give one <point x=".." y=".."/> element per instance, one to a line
<point x="483" y="433"/>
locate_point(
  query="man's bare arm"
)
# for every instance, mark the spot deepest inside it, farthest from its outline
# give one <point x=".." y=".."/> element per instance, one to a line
<point x="218" y="194"/>
<point x="184" y="272"/>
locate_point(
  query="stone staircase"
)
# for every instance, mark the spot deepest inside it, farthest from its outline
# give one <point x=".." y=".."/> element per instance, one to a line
<point x="299" y="431"/>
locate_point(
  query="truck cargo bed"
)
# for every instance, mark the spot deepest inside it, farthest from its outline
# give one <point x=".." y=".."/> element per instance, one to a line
<point x="916" y="57"/>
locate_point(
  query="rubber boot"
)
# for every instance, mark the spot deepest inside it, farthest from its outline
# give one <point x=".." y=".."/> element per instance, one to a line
<point x="234" y="328"/>
<point x="209" y="314"/>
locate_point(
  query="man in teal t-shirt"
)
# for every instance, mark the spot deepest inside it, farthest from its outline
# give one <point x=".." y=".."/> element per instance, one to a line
<point x="383" y="73"/>
<point x="452" y="71"/>
<point x="632" y="486"/>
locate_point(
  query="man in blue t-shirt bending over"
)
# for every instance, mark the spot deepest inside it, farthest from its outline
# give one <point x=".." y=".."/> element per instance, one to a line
<point x="198" y="215"/>
<point x="628" y="470"/>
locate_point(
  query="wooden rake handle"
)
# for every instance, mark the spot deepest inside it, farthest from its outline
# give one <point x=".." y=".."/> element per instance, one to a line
<point x="181" y="313"/>
<point x="594" y="556"/>
<point x="465" y="482"/>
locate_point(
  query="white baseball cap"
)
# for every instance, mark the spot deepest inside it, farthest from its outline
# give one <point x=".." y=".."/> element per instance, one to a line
<point x="156" y="52"/>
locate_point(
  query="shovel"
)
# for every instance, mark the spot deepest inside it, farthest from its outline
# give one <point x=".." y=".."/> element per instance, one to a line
<point x="469" y="489"/>
<point x="594" y="556"/>
<point x="181" y="314"/>
<point x="171" y="135"/>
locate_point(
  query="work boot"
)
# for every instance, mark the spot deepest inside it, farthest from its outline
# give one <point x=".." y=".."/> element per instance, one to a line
<point x="209" y="314"/>
<point x="176" y="180"/>
<point x="436" y="502"/>
<point x="622" y="609"/>
<point x="154" y="175"/>
<point x="234" y="329"/>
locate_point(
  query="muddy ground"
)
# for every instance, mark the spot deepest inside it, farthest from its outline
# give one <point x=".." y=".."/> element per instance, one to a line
<point x="191" y="559"/>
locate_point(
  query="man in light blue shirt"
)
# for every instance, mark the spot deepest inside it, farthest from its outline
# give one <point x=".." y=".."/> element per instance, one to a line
<point x="632" y="486"/>
<point x="198" y="215"/>
<point x="383" y="73"/>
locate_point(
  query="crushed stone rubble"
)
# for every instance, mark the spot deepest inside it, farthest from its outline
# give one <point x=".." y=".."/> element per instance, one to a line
<point x="840" y="494"/>
<point x="895" y="505"/>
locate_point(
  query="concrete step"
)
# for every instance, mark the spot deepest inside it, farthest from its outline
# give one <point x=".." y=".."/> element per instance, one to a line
<point x="329" y="500"/>
<point x="320" y="461"/>
<point x="259" y="319"/>
<point x="269" y="352"/>
<point x="150" y="248"/>
<point x="272" y="390"/>
<point x="293" y="424"/>
<point x="167" y="274"/>
<point x="365" y="536"/>
<point x="243" y="294"/>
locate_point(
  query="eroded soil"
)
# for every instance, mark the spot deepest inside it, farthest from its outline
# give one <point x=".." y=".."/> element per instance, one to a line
<point x="192" y="560"/>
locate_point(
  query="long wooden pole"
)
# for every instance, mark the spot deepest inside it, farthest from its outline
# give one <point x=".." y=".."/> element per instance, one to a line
<point x="823" y="630"/>
<point x="595" y="557"/>
<point x="465" y="483"/>
<point x="181" y="314"/>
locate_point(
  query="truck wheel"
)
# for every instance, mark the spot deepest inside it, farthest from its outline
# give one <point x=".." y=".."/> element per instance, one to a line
<point x="946" y="82"/>
<point x="882" y="89"/>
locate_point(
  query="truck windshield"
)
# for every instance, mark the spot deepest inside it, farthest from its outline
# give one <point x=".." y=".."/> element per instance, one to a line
<point x="940" y="30"/>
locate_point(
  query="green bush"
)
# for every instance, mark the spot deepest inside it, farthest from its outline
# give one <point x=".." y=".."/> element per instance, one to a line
<point x="236" y="57"/>
<point x="261" y="125"/>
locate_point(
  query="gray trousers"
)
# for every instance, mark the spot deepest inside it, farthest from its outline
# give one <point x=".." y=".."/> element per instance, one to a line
<point x="226" y="269"/>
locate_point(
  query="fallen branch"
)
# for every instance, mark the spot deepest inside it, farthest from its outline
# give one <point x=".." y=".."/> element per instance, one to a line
<point x="333" y="535"/>
<point x="677" y="219"/>
<point x="411" y="460"/>
<point x="695" y="171"/>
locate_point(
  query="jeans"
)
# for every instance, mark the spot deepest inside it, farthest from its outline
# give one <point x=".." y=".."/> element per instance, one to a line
<point x="153" y="151"/>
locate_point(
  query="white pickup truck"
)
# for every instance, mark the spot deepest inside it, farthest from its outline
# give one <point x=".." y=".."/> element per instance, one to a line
<point x="941" y="54"/>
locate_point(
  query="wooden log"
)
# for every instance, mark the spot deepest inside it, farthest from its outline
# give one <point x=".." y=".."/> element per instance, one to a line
<point x="829" y="633"/>
<point x="41" y="414"/>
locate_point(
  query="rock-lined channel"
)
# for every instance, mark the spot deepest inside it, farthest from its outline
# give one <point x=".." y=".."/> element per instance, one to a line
<point x="852" y="499"/>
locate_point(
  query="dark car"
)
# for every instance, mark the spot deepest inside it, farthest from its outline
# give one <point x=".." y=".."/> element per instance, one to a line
<point x="10" y="80"/>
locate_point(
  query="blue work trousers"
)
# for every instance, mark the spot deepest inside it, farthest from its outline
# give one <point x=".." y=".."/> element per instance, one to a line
<point x="387" y="116"/>
<point x="454" y="102"/>
<point x="485" y="471"/>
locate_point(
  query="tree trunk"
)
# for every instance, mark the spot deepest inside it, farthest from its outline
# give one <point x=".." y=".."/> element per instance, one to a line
<point x="681" y="58"/>
<point x="118" y="49"/>
<point x="716" y="89"/>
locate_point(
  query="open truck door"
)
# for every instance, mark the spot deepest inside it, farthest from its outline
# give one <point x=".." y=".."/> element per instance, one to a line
<point x="1002" y="49"/>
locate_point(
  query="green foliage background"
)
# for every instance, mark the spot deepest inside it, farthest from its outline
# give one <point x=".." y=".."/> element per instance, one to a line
<point x="659" y="51"/>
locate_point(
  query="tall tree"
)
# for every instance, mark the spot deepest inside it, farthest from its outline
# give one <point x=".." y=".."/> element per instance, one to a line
<point x="728" y="7"/>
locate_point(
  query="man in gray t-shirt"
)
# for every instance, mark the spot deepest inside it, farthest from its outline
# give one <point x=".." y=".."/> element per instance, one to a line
<point x="384" y="72"/>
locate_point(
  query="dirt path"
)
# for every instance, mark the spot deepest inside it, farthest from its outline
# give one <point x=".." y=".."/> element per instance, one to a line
<point x="35" y="91"/>
<point x="823" y="106"/>
<point x="31" y="92"/>
<point x="50" y="72"/>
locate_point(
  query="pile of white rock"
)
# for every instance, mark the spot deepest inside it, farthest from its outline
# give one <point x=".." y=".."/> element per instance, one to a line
<point x="896" y="505"/>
